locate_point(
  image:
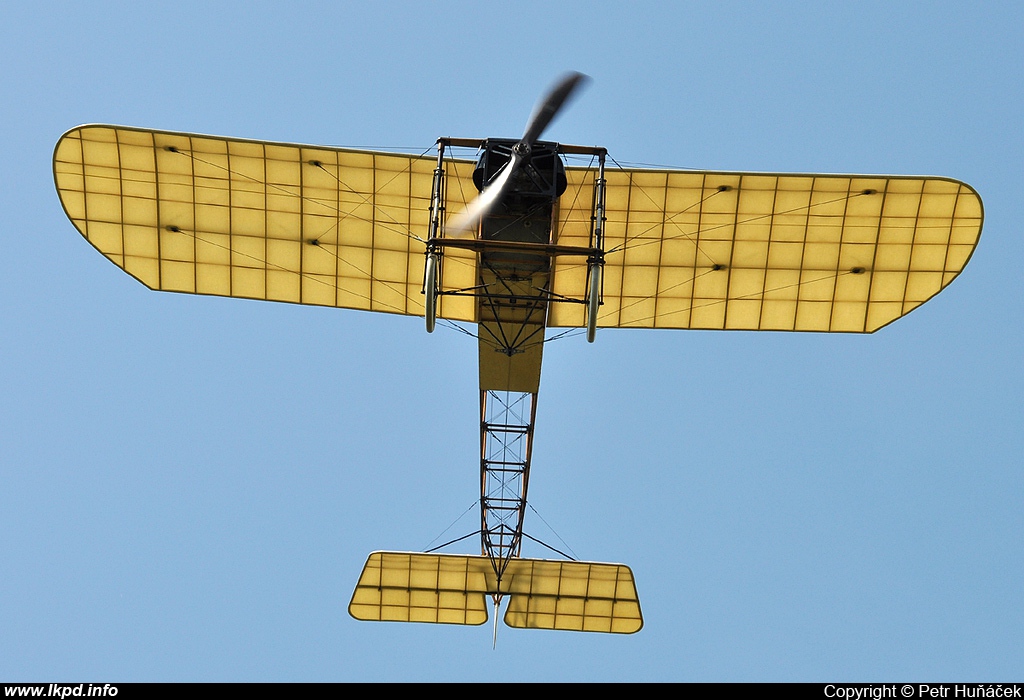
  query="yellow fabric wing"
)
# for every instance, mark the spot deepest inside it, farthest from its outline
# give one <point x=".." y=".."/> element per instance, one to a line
<point x="746" y="251"/>
<point x="280" y="222"/>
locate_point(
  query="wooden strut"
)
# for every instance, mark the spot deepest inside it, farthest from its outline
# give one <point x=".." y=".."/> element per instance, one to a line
<point x="548" y="249"/>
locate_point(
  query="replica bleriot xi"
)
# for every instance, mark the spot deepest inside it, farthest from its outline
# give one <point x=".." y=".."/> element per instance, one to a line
<point x="532" y="244"/>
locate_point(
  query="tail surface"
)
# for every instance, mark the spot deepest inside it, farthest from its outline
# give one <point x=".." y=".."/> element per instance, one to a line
<point x="453" y="589"/>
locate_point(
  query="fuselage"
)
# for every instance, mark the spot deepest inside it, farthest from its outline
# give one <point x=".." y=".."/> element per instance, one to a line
<point x="512" y="312"/>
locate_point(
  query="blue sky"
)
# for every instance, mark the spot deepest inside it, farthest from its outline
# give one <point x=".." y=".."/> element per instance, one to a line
<point x="190" y="486"/>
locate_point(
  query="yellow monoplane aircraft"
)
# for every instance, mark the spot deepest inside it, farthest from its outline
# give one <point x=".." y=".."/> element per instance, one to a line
<point x="533" y="244"/>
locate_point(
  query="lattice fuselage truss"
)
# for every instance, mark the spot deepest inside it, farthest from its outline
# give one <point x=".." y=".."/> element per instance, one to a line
<point x="506" y="436"/>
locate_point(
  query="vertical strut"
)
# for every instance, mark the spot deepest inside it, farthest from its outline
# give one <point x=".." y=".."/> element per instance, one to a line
<point x="595" y="270"/>
<point x="432" y="265"/>
<point x="597" y="230"/>
<point x="437" y="194"/>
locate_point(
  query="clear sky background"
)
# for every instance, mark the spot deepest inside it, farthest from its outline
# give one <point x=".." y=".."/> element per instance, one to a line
<point x="189" y="486"/>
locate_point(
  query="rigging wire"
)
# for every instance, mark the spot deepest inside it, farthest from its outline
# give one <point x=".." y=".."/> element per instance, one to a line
<point x="545" y="544"/>
<point x="196" y="234"/>
<point x="450" y="526"/>
<point x="554" y="532"/>
<point x="629" y="241"/>
<point x="280" y="189"/>
<point x="457" y="539"/>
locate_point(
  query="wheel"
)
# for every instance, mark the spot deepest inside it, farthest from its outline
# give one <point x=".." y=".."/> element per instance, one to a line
<point x="593" y="301"/>
<point x="430" y="289"/>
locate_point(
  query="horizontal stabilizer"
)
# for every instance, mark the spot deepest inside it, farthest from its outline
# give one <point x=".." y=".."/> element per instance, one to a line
<point x="453" y="589"/>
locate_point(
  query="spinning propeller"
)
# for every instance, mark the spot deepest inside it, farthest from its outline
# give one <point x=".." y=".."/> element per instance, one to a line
<point x="543" y="114"/>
